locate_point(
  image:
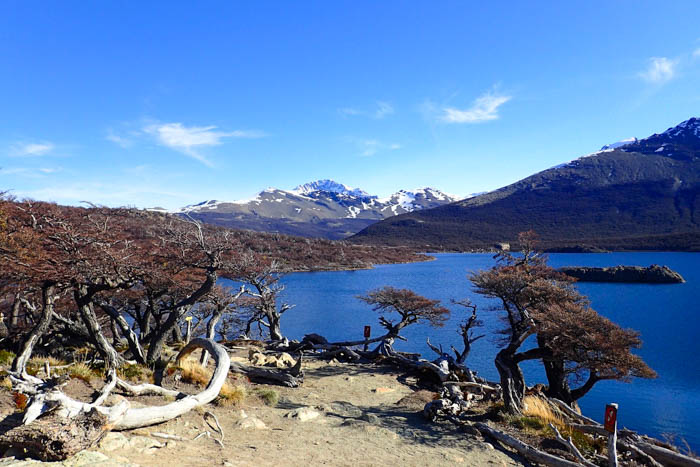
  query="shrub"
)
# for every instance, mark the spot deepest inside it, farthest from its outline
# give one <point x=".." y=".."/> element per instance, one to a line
<point x="20" y="400"/>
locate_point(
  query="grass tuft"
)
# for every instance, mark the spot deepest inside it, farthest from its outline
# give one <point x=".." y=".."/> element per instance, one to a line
<point x="193" y="373"/>
<point x="81" y="371"/>
<point x="270" y="397"/>
<point x="135" y="373"/>
<point x="6" y="383"/>
<point x="6" y="357"/>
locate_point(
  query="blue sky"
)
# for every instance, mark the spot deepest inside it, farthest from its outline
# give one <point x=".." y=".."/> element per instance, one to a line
<point x="170" y="103"/>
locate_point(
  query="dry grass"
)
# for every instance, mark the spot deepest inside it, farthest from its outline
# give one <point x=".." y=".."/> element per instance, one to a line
<point x="81" y="371"/>
<point x="193" y="373"/>
<point x="540" y="408"/>
<point x="6" y="383"/>
<point x="135" y="373"/>
<point x="6" y="357"/>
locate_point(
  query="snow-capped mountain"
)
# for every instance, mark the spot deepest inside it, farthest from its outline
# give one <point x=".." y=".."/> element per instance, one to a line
<point x="329" y="186"/>
<point x="322" y="208"/>
<point x="619" y="144"/>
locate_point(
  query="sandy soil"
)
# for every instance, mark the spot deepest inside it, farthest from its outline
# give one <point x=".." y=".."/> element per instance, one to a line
<point x="359" y="423"/>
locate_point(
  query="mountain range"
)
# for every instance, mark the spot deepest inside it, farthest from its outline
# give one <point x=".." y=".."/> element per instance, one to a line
<point x="636" y="194"/>
<point x="323" y="208"/>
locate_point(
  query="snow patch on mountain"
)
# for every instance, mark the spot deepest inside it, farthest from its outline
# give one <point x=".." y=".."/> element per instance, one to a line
<point x="330" y="186"/>
<point x="619" y="144"/>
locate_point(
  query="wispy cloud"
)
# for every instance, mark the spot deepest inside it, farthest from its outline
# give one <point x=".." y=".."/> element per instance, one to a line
<point x="696" y="53"/>
<point x="370" y="147"/>
<point x="29" y="171"/>
<point x="484" y="109"/>
<point x="382" y="110"/>
<point x="122" y="141"/>
<point x="31" y="149"/>
<point x="188" y="140"/>
<point x="660" y="70"/>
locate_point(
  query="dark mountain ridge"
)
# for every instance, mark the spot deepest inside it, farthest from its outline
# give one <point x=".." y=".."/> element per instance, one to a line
<point x="641" y="195"/>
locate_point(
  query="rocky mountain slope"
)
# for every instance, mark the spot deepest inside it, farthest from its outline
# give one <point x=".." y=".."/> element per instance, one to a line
<point x="642" y="194"/>
<point x="323" y="208"/>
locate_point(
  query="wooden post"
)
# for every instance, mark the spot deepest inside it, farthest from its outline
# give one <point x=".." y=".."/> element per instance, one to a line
<point x="611" y="426"/>
<point x="189" y="329"/>
<point x="368" y="332"/>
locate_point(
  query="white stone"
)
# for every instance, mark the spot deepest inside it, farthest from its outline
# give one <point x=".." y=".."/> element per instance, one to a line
<point x="303" y="414"/>
<point x="252" y="423"/>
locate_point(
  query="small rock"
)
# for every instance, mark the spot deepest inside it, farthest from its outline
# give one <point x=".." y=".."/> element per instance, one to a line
<point x="256" y="358"/>
<point x="334" y="362"/>
<point x="345" y="409"/>
<point x="113" y="441"/>
<point x="353" y="422"/>
<point x="143" y="443"/>
<point x="384" y="390"/>
<point x="86" y="458"/>
<point x="170" y="444"/>
<point x="370" y="418"/>
<point x="251" y="423"/>
<point x="285" y="361"/>
<point x="303" y="414"/>
<point x="350" y="379"/>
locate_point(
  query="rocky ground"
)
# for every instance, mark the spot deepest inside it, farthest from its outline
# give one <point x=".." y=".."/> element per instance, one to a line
<point x="342" y="415"/>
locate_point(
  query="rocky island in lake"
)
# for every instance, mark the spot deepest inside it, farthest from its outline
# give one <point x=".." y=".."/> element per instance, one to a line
<point x="653" y="274"/>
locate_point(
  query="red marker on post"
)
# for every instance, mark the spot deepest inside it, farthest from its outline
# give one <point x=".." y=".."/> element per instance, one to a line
<point x="610" y="423"/>
<point x="368" y="332"/>
<point x="611" y="426"/>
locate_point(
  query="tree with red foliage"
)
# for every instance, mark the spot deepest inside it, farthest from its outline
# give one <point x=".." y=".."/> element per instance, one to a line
<point x="571" y="337"/>
<point x="411" y="308"/>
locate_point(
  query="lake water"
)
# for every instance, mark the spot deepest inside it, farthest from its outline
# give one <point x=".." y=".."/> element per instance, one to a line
<point x="666" y="315"/>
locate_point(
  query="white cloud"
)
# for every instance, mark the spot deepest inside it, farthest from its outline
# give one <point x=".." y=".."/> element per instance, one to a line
<point x="29" y="172"/>
<point x="348" y="111"/>
<point x="189" y="139"/>
<point x="383" y="109"/>
<point x="696" y="53"/>
<point x="31" y="149"/>
<point x="110" y="194"/>
<point x="660" y="70"/>
<point x="119" y="140"/>
<point x="370" y="147"/>
<point x="484" y="108"/>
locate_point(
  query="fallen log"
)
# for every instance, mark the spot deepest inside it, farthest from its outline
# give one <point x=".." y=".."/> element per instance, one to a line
<point x="666" y="456"/>
<point x="55" y="438"/>
<point x="524" y="449"/>
<point x="629" y="440"/>
<point x="569" y="444"/>
<point x="292" y="377"/>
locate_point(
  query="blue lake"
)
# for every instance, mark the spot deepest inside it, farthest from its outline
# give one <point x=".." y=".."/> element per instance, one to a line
<point x="666" y="316"/>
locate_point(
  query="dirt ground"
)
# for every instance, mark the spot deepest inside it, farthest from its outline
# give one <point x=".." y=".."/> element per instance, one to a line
<point x="367" y="415"/>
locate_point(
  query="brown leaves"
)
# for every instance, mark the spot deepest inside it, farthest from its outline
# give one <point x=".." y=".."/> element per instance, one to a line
<point x="409" y="305"/>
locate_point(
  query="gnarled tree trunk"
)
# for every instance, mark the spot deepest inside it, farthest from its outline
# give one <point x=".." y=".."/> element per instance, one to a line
<point x="512" y="381"/>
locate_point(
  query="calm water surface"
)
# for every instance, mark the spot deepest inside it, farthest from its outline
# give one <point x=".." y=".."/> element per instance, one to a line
<point x="666" y="316"/>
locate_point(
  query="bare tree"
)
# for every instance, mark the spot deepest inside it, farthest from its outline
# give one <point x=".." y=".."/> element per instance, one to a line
<point x="263" y="275"/>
